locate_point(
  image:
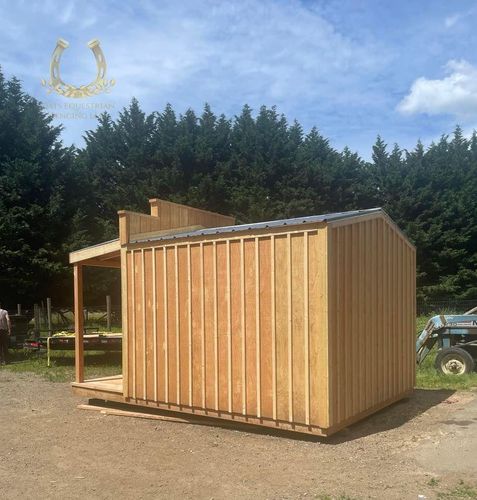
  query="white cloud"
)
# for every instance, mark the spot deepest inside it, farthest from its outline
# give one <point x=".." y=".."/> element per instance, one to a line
<point x="455" y="94"/>
<point x="451" y="20"/>
<point x="238" y="52"/>
<point x="226" y="53"/>
<point x="208" y="51"/>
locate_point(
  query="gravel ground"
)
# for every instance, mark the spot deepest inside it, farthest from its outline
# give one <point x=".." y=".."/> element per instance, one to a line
<point x="50" y="449"/>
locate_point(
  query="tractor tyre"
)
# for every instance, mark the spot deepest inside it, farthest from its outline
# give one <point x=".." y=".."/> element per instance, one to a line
<point x="454" y="361"/>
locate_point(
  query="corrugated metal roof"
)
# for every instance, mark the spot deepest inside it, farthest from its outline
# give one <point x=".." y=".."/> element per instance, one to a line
<point x="261" y="225"/>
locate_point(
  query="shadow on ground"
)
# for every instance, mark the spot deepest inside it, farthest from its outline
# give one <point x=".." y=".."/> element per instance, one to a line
<point x="389" y="418"/>
<point x="393" y="416"/>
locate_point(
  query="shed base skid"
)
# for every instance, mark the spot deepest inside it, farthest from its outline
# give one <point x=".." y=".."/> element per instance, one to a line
<point x="109" y="389"/>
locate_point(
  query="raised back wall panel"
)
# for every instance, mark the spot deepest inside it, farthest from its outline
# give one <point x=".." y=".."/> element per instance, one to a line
<point x="174" y="215"/>
<point x="166" y="217"/>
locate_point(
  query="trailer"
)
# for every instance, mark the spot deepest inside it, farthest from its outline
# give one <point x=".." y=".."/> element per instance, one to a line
<point x="65" y="341"/>
<point x="456" y="339"/>
<point x="97" y="341"/>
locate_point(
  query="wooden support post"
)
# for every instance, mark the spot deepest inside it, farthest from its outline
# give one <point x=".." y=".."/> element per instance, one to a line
<point x="108" y="312"/>
<point x="19" y="309"/>
<point x="79" y="322"/>
<point x="48" y="315"/>
<point x="154" y="204"/>
<point x="124" y="227"/>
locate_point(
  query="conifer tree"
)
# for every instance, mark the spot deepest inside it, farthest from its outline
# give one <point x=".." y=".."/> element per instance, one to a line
<point x="35" y="183"/>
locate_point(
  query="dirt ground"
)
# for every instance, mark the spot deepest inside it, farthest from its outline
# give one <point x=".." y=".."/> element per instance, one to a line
<point x="51" y="449"/>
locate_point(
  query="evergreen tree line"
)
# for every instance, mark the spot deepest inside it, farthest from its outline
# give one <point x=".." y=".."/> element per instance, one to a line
<point x="55" y="199"/>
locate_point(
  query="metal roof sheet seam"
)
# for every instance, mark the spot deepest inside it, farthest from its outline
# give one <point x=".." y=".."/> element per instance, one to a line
<point x="262" y="225"/>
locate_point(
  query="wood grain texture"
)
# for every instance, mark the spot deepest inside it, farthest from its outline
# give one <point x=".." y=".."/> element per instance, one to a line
<point x="166" y="218"/>
<point x="79" y="319"/>
<point x="173" y="215"/>
<point x="96" y="253"/>
<point x="371" y="316"/>
<point x="301" y="328"/>
<point x="139" y="347"/>
<point x="125" y="320"/>
<point x="149" y="329"/>
<point x="227" y="341"/>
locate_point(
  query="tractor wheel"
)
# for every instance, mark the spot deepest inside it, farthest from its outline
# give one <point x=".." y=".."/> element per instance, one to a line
<point x="454" y="361"/>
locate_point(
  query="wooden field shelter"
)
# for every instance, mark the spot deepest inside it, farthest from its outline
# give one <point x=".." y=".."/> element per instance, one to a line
<point x="303" y="324"/>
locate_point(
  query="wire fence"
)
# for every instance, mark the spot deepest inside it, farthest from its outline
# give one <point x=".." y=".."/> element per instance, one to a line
<point x="447" y="305"/>
<point x="55" y="319"/>
<point x="94" y="317"/>
<point x="103" y="318"/>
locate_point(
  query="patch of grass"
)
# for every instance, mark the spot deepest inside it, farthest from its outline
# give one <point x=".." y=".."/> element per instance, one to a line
<point x="427" y="377"/>
<point x="421" y="322"/>
<point x="103" y="364"/>
<point x="433" y="482"/>
<point x="462" y="491"/>
<point x="97" y="364"/>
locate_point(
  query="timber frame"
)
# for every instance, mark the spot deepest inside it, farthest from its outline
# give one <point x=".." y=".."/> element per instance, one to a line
<point x="302" y="324"/>
<point x="166" y="218"/>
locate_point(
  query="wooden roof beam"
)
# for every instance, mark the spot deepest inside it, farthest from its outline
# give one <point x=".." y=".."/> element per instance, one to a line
<point x="106" y="250"/>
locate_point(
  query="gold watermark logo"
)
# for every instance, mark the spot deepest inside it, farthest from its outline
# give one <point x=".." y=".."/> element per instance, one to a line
<point x="99" y="85"/>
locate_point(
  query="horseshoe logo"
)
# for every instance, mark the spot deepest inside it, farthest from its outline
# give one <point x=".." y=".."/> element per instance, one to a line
<point x="98" y="86"/>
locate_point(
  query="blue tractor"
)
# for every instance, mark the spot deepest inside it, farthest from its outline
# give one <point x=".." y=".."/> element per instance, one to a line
<point x="456" y="338"/>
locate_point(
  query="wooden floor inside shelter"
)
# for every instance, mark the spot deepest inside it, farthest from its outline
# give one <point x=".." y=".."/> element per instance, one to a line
<point x="112" y="385"/>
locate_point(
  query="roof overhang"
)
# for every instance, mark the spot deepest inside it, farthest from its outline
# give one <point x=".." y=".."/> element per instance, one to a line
<point x="106" y="254"/>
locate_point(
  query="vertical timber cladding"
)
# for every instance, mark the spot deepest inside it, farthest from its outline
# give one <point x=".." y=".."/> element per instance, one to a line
<point x="372" y="316"/>
<point x="173" y="215"/>
<point x="233" y="327"/>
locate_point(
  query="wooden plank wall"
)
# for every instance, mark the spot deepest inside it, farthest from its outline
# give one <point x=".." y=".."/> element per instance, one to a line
<point x="166" y="215"/>
<point x="232" y="327"/>
<point x="174" y="215"/>
<point x="372" y="317"/>
<point x="132" y="224"/>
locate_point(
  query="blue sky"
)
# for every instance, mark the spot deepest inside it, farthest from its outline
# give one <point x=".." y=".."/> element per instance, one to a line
<point x="405" y="70"/>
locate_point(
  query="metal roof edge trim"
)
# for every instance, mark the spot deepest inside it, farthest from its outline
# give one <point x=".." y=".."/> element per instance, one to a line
<point x="262" y="225"/>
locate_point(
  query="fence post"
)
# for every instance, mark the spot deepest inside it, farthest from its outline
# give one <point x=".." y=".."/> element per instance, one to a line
<point x="48" y="313"/>
<point x="19" y="309"/>
<point x="108" y="312"/>
<point x="42" y="314"/>
<point x="36" y="316"/>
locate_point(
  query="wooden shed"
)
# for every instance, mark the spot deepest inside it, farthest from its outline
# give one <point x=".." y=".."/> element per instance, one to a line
<point x="303" y="324"/>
